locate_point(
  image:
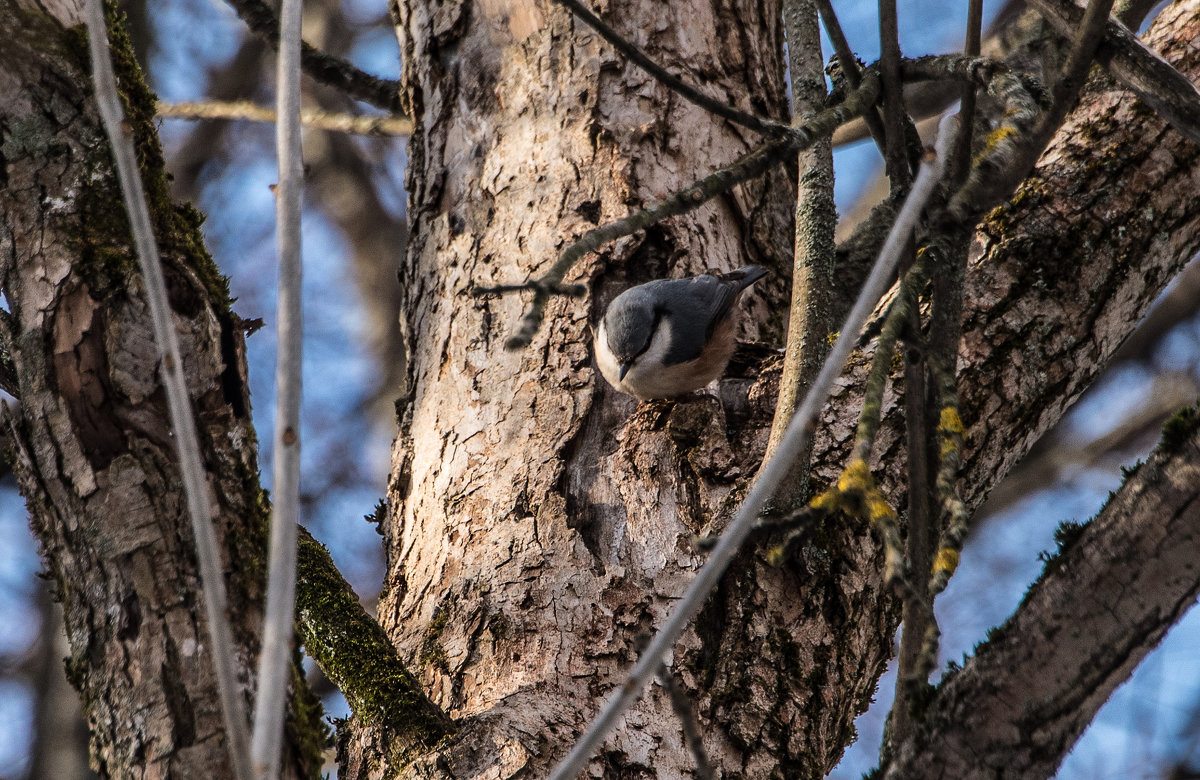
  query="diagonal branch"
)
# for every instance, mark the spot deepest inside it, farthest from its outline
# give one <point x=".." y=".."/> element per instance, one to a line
<point x="1107" y="599"/>
<point x="356" y="655"/>
<point x="325" y="68"/>
<point x="1135" y="65"/>
<point x="191" y="463"/>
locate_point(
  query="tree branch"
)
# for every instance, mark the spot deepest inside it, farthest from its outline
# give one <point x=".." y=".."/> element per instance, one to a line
<point x="191" y="464"/>
<point x="322" y="120"/>
<point x="1102" y="604"/>
<point x="269" y="710"/>
<point x="814" y="253"/>
<point x="354" y="652"/>
<point x="325" y="68"/>
<point x="1135" y="65"/>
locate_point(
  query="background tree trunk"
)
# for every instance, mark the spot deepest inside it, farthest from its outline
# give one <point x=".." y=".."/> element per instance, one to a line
<point x="91" y="441"/>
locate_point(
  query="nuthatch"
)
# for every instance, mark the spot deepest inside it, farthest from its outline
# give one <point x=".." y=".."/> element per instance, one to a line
<point x="671" y="336"/>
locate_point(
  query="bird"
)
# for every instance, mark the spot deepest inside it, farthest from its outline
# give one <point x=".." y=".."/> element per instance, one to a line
<point x="668" y="337"/>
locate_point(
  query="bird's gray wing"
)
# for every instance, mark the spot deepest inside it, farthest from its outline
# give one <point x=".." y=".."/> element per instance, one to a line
<point x="695" y="307"/>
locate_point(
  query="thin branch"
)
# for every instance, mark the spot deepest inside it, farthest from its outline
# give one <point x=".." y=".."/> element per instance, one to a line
<point x="961" y="162"/>
<point x="894" y="116"/>
<point x="191" y="463"/>
<point x="1159" y="85"/>
<point x="748" y="167"/>
<point x="321" y="120"/>
<point x="916" y="613"/>
<point x="325" y="68"/>
<point x="945" y="333"/>
<point x="850" y="69"/>
<point x="660" y="74"/>
<point x="274" y="660"/>
<point x="770" y="477"/>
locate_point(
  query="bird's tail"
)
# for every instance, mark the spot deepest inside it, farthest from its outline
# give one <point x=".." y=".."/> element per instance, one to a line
<point x="745" y="276"/>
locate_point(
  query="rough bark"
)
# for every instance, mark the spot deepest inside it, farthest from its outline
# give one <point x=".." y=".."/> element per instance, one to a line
<point x="526" y="548"/>
<point x="538" y="523"/>
<point x="93" y="450"/>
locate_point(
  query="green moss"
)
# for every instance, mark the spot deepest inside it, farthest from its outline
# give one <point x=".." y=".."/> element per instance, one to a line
<point x="358" y="657"/>
<point x="1180" y="428"/>
<point x="1065" y="536"/>
<point x="306" y="726"/>
<point x="432" y="652"/>
<point x="105" y="251"/>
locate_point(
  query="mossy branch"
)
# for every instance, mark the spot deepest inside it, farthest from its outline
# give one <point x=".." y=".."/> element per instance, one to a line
<point x="354" y="652"/>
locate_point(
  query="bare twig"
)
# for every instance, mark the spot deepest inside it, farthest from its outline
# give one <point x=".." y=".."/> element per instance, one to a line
<point x="274" y="660"/>
<point x="748" y="167"/>
<point x="330" y="70"/>
<point x="769" y="478"/>
<point x="321" y="120"/>
<point x="894" y="116"/>
<point x="1135" y="65"/>
<point x="191" y="464"/>
<point x="850" y="69"/>
<point x="915" y="612"/>
<point x="961" y="162"/>
<point x="660" y="74"/>
<point x="945" y="333"/>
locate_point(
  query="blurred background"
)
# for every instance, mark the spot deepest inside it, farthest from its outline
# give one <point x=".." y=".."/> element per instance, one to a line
<point x="354" y="231"/>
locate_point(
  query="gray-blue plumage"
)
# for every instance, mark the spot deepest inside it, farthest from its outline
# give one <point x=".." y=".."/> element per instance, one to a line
<point x="671" y="323"/>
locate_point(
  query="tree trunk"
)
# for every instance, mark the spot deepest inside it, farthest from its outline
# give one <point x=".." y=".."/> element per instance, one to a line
<point x="92" y="446"/>
<point x="539" y="523"/>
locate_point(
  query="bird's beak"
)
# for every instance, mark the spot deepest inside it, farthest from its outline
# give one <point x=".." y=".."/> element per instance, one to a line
<point x="624" y="370"/>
